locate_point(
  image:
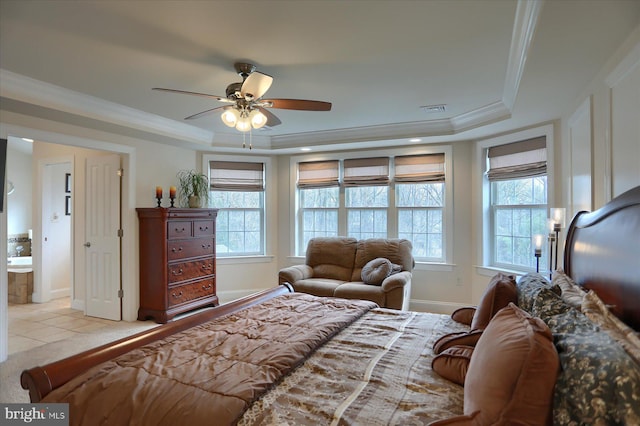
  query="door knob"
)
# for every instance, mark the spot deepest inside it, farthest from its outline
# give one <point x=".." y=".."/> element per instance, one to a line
<point x="87" y="244"/>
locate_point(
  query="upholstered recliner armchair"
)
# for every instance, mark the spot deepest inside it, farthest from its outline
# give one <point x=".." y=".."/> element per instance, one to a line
<point x="375" y="269"/>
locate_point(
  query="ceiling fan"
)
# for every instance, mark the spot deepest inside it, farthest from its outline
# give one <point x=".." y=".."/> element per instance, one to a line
<point x="247" y="109"/>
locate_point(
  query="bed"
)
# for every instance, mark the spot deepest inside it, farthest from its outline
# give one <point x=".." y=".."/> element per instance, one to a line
<point x="279" y="357"/>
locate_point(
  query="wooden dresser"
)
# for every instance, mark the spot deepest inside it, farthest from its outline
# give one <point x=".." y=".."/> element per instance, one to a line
<point x="177" y="261"/>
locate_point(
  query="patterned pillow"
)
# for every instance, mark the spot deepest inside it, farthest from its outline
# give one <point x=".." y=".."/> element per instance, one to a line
<point x="528" y="288"/>
<point x="599" y="383"/>
<point x="548" y="304"/>
<point x="596" y="310"/>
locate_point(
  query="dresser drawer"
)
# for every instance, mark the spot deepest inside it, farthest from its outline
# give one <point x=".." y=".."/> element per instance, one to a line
<point x="187" y="292"/>
<point x="179" y="229"/>
<point x="188" y="270"/>
<point x="203" y="228"/>
<point x="183" y="249"/>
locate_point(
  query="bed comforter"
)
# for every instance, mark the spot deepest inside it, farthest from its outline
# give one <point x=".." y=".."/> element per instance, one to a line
<point x="214" y="373"/>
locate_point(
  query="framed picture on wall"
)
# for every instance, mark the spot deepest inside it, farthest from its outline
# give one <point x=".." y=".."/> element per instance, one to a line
<point x="67" y="205"/>
<point x="67" y="183"/>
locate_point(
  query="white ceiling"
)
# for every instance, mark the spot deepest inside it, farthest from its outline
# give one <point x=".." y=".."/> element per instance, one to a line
<point x="376" y="61"/>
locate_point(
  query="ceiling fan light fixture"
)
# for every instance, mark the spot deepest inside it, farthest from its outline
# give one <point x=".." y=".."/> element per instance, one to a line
<point x="258" y="119"/>
<point x="243" y="125"/>
<point x="230" y="117"/>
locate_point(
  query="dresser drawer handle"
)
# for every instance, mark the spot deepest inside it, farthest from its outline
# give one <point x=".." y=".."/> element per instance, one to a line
<point x="178" y="272"/>
<point x="179" y="294"/>
<point x="176" y="250"/>
<point x="207" y="287"/>
<point x="180" y="229"/>
<point x="206" y="266"/>
<point x="206" y="228"/>
<point x="206" y="246"/>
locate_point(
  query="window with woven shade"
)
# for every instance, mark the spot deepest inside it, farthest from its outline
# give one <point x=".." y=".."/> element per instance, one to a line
<point x="237" y="191"/>
<point x="517" y="173"/>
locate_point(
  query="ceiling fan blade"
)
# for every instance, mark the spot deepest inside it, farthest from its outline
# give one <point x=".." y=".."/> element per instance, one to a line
<point x="256" y="85"/>
<point x="272" y="120"/>
<point x="299" y="104"/>
<point x="203" y="113"/>
<point x="184" y="92"/>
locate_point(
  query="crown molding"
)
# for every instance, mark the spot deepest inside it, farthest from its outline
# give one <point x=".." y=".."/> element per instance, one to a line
<point x="40" y="93"/>
<point x="524" y="26"/>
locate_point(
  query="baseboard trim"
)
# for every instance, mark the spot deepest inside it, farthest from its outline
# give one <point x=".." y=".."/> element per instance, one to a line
<point x="435" y="306"/>
<point x="231" y="295"/>
<point x="77" y="304"/>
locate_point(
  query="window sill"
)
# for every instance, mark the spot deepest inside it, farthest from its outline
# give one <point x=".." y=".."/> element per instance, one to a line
<point x="236" y="260"/>
<point x="490" y="271"/>
<point x="433" y="266"/>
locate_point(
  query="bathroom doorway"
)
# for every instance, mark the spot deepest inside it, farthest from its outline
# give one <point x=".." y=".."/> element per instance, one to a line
<point x="57" y="255"/>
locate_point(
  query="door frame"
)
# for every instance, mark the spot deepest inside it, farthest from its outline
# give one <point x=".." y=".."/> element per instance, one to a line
<point x="41" y="287"/>
<point x="129" y="263"/>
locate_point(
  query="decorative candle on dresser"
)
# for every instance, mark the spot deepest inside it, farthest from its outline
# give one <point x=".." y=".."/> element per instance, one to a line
<point x="177" y="261"/>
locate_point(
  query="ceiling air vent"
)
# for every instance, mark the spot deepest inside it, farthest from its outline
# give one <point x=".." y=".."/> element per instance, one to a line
<point x="433" y="108"/>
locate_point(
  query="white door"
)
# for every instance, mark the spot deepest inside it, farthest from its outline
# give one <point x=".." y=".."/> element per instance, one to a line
<point x="102" y="243"/>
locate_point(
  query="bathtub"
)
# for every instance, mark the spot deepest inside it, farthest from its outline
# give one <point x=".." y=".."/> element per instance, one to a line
<point x="22" y="262"/>
<point x="20" y="279"/>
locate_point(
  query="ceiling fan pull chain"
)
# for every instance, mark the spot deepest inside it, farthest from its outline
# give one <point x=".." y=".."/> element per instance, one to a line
<point x="243" y="138"/>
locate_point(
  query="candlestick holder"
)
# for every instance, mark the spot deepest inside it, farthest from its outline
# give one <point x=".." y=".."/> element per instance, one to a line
<point x="159" y="201"/>
<point x="552" y="242"/>
<point x="172" y="200"/>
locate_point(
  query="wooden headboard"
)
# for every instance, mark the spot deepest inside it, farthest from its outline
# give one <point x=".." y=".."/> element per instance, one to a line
<point x="602" y="253"/>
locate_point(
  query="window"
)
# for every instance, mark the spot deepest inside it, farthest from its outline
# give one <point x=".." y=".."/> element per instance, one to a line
<point x="319" y="199"/>
<point x="420" y="203"/>
<point x="366" y="183"/>
<point x="377" y="197"/>
<point x="518" y="202"/>
<point x="237" y="191"/>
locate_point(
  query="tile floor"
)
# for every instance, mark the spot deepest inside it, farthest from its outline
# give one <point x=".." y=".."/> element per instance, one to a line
<point x="35" y="324"/>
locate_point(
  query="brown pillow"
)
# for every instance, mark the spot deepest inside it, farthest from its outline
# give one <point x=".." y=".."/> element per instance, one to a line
<point x="513" y="371"/>
<point x="463" y="315"/>
<point x="465" y="338"/>
<point x="467" y="420"/>
<point x="376" y="270"/>
<point x="453" y="363"/>
<point x="501" y="291"/>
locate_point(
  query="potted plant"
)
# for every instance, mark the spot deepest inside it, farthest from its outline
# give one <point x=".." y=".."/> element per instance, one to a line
<point x="194" y="188"/>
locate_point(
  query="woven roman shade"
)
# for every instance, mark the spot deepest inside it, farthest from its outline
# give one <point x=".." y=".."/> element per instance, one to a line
<point x="236" y="176"/>
<point x="366" y="171"/>
<point x="318" y="174"/>
<point x="419" y="168"/>
<point x="516" y="160"/>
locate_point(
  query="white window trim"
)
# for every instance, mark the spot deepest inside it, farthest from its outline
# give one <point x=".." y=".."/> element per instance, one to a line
<point x="269" y="204"/>
<point x="483" y="237"/>
<point x="413" y="150"/>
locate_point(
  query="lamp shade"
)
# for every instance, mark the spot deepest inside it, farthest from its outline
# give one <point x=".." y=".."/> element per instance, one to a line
<point x="230" y="117"/>
<point x="559" y="216"/>
<point x="257" y="118"/>
<point x="243" y="125"/>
